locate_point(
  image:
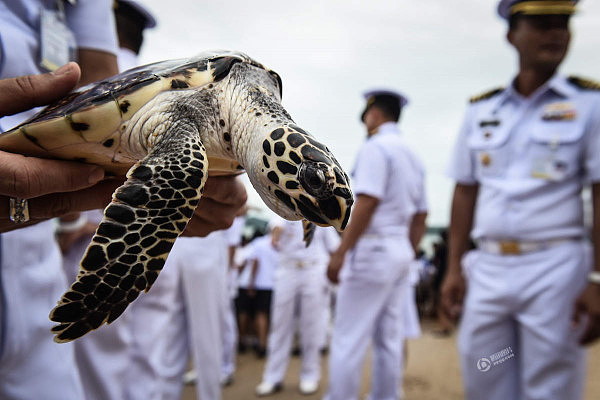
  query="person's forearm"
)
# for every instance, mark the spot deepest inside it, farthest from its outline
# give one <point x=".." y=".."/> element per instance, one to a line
<point x="461" y="222"/>
<point x="361" y="217"/>
<point x="417" y="230"/>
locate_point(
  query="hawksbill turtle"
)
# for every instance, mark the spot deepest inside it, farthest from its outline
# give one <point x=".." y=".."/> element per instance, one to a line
<point x="168" y="126"/>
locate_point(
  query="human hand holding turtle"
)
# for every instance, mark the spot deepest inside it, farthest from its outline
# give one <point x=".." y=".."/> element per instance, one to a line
<point x="55" y="187"/>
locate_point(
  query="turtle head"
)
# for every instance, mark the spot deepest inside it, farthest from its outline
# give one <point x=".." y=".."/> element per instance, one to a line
<point x="302" y="178"/>
<point x="295" y="175"/>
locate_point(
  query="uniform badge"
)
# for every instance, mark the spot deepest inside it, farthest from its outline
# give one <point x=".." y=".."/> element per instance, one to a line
<point x="549" y="168"/>
<point x="485" y="159"/>
<point x="493" y="122"/>
<point x="563" y="111"/>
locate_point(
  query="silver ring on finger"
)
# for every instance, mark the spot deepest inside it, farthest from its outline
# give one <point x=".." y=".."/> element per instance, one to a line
<point x="18" y="210"/>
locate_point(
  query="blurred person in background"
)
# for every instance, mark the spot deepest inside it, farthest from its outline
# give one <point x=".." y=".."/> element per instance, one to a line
<point x="299" y="279"/>
<point x="230" y="329"/>
<point x="522" y="157"/>
<point x="377" y="247"/>
<point x="181" y="315"/>
<point x="32" y="279"/>
<point x="262" y="262"/>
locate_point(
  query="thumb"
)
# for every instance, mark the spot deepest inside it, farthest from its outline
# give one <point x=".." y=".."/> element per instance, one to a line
<point x="25" y="92"/>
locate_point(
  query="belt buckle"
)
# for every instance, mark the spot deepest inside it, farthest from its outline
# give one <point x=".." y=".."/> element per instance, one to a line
<point x="510" y="247"/>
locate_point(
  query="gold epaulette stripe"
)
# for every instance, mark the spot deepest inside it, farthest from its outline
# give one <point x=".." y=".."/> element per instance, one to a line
<point x="486" y="95"/>
<point x="557" y="7"/>
<point x="586" y="84"/>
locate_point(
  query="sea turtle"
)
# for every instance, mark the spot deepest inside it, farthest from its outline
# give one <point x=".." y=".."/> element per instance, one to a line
<point x="168" y="125"/>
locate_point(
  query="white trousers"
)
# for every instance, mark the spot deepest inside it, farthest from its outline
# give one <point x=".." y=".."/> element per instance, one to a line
<point x="516" y="340"/>
<point x="32" y="280"/>
<point x="307" y="285"/>
<point x="101" y="355"/>
<point x="204" y="286"/>
<point x="181" y="313"/>
<point x="369" y="306"/>
<point x="159" y="351"/>
<point x="230" y="338"/>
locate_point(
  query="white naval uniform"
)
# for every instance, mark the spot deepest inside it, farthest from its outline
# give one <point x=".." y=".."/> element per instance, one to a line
<point x="299" y="277"/>
<point x="261" y="249"/>
<point x="181" y="314"/>
<point x="410" y="326"/>
<point x="233" y="236"/>
<point x="32" y="366"/>
<point x="374" y="279"/>
<point x="530" y="158"/>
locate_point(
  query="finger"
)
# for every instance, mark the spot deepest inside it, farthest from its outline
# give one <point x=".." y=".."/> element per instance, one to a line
<point x="29" y="177"/>
<point x="448" y="306"/>
<point x="227" y="190"/>
<point x="25" y="92"/>
<point x="211" y="215"/>
<point x="55" y="205"/>
<point x="199" y="227"/>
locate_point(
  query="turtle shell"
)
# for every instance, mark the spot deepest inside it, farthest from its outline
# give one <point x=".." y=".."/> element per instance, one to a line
<point x="86" y="125"/>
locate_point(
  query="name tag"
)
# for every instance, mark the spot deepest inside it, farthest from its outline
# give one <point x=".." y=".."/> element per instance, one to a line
<point x="57" y="43"/>
<point x="549" y="168"/>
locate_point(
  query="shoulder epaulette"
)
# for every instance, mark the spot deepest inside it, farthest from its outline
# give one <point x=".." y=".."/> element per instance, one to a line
<point x="585" y="84"/>
<point x="486" y="95"/>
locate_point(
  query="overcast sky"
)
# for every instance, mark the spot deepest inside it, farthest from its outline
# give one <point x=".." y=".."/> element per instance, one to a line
<point x="437" y="52"/>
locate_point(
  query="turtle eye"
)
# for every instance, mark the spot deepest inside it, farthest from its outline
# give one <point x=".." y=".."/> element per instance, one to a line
<point x="316" y="180"/>
<point x="313" y="178"/>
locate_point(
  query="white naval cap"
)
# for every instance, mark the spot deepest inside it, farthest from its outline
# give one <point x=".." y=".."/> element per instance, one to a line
<point x="392" y="100"/>
<point x="507" y="8"/>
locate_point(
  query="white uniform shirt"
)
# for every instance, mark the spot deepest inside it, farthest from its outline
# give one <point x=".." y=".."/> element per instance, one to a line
<point x="233" y="234"/>
<point x="241" y="259"/>
<point x="292" y="248"/>
<point x="91" y="21"/>
<point x="263" y="251"/>
<point x="530" y="157"/>
<point x="389" y="171"/>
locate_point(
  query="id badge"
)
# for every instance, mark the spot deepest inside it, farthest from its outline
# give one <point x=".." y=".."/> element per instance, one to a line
<point x="549" y="168"/>
<point x="57" y="43"/>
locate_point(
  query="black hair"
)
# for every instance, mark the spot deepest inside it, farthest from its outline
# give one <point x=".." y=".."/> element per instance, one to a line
<point x="389" y="105"/>
<point x="513" y="20"/>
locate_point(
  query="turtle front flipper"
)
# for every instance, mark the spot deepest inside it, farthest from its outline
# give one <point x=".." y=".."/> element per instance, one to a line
<point x="138" y="230"/>
<point x="309" y="231"/>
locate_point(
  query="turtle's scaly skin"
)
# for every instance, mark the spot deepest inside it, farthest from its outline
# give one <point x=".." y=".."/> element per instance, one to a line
<point x="171" y="124"/>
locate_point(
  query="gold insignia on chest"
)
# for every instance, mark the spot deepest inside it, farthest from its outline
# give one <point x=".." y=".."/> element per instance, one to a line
<point x="563" y="111"/>
<point x="485" y="159"/>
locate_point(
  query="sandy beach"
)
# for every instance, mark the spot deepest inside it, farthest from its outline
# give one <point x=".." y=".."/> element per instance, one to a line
<point x="432" y="373"/>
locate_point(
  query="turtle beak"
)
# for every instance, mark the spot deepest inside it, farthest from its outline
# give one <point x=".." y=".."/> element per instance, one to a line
<point x="332" y="199"/>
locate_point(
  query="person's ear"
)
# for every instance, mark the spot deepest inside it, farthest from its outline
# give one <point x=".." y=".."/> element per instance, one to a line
<point x="510" y="36"/>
